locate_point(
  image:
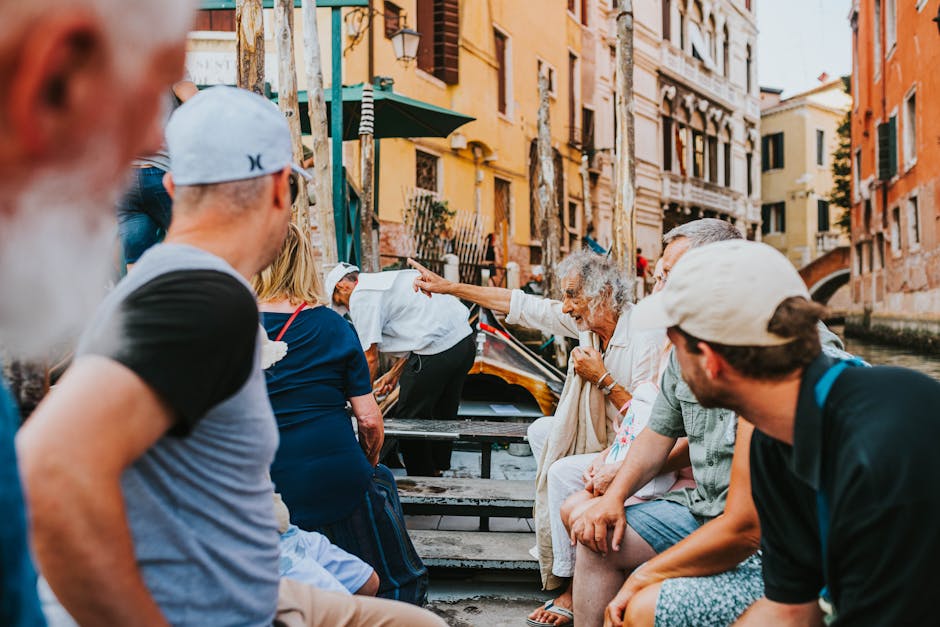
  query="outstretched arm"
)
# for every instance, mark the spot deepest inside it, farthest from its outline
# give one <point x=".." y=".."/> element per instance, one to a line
<point x="495" y="298"/>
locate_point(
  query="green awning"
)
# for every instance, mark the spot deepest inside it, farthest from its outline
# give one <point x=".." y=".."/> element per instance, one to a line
<point x="395" y="115"/>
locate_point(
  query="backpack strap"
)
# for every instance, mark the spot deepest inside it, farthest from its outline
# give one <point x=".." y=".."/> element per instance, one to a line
<point x="822" y="390"/>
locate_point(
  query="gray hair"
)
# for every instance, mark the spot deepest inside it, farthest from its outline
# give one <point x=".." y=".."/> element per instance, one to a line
<point x="703" y="231"/>
<point x="601" y="281"/>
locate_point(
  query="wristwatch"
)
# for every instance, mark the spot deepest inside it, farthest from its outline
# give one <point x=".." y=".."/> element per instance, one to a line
<point x="607" y="390"/>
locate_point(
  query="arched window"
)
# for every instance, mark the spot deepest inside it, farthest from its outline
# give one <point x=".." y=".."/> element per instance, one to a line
<point x="749" y="70"/>
<point x="711" y="148"/>
<point x="726" y="157"/>
<point x="668" y="136"/>
<point x="682" y="26"/>
<point x="726" y="53"/>
<point x="712" y="39"/>
<point x="698" y="145"/>
<point x="749" y="167"/>
<point x="667" y="20"/>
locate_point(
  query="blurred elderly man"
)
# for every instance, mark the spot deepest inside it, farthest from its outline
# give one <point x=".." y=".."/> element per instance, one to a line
<point x="604" y="370"/>
<point x="63" y="153"/>
<point x="152" y="503"/>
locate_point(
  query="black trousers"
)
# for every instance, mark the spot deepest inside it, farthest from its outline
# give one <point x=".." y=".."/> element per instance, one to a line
<point x="430" y="389"/>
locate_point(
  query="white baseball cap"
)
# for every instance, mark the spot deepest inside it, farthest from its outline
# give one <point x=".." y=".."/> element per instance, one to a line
<point x="726" y="292"/>
<point x="227" y="134"/>
<point x="334" y="276"/>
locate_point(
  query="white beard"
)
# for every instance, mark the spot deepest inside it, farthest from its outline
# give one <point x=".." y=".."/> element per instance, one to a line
<point x="58" y="249"/>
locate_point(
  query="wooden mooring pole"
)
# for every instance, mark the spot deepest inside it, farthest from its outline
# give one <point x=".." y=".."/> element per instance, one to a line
<point x="249" y="45"/>
<point x="319" y="128"/>
<point x="624" y="223"/>
<point x="287" y="96"/>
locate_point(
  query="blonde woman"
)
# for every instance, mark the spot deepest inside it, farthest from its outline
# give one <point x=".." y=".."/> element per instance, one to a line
<point x="331" y="483"/>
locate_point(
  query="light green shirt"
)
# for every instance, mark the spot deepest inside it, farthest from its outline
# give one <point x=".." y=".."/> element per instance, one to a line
<point x="711" y="434"/>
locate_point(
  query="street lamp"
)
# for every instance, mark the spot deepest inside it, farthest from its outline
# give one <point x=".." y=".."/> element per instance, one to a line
<point x="405" y="43"/>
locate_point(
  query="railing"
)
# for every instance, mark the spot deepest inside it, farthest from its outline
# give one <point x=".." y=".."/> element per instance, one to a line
<point x="717" y="86"/>
<point x="828" y="240"/>
<point x="696" y="192"/>
<point x="690" y="70"/>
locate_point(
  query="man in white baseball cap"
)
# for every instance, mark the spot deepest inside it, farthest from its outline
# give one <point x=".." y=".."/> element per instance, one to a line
<point x="839" y="453"/>
<point x="431" y="336"/>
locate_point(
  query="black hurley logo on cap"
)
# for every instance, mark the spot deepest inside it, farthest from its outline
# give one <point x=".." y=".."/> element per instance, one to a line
<point x="255" y="162"/>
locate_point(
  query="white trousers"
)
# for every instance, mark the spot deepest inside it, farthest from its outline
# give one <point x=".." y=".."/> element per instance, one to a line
<point x="537" y="435"/>
<point x="564" y="479"/>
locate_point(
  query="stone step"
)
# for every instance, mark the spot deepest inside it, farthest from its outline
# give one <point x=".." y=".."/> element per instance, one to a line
<point x="483" y="550"/>
<point x="466" y="497"/>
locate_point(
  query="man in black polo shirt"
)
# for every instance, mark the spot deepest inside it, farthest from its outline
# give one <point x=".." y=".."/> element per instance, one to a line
<point x="842" y="457"/>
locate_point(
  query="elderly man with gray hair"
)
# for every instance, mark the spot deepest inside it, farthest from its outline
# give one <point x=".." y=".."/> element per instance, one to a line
<point x="642" y="531"/>
<point x="605" y="368"/>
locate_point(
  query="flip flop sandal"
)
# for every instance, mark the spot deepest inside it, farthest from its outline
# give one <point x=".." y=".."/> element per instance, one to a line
<point x="552" y="608"/>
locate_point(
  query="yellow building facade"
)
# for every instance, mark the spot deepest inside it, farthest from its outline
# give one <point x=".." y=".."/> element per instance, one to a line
<point x="481" y="59"/>
<point x="489" y="72"/>
<point x="798" y="138"/>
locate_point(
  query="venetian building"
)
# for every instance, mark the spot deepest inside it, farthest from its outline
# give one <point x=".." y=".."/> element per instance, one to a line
<point x="895" y="261"/>
<point x="698" y="140"/>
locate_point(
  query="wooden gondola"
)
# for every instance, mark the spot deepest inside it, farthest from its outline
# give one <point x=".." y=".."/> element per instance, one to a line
<point x="507" y="380"/>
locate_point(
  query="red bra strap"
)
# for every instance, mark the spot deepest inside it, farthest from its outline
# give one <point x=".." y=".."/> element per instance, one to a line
<point x="289" y="321"/>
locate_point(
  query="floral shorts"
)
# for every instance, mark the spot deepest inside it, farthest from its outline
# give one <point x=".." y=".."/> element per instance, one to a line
<point x="716" y="600"/>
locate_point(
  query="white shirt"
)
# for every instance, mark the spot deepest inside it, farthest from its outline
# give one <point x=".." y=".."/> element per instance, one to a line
<point x="386" y="311"/>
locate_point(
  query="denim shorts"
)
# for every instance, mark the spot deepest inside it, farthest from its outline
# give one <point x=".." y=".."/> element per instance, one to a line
<point x="661" y="523"/>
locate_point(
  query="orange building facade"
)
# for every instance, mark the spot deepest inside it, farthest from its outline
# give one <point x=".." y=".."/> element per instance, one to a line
<point x="895" y="260"/>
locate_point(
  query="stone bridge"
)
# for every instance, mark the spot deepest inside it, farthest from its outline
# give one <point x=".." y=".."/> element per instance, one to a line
<point x="827" y="274"/>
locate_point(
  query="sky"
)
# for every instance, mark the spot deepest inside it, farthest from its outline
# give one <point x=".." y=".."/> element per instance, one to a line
<point x="801" y="39"/>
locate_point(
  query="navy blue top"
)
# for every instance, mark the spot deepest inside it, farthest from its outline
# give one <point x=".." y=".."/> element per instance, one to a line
<point x="19" y="603"/>
<point x="320" y="469"/>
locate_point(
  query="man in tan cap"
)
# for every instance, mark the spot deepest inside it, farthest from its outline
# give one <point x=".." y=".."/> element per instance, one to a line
<point x="839" y="452"/>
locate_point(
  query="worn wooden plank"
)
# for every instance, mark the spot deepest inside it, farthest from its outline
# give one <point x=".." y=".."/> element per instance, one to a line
<point x="456" y="430"/>
<point x="448" y="491"/>
<point x="475" y="549"/>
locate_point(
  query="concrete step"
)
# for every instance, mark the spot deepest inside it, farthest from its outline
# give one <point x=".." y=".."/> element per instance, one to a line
<point x="486" y="550"/>
<point x="466" y="497"/>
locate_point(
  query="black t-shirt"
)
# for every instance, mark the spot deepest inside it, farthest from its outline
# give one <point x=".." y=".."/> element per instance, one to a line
<point x="874" y="454"/>
<point x="190" y="335"/>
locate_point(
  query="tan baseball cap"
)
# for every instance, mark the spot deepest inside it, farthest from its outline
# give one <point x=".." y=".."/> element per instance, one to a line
<point x="725" y="292"/>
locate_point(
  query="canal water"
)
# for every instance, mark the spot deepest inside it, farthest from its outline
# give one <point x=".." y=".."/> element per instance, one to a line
<point x="884" y="355"/>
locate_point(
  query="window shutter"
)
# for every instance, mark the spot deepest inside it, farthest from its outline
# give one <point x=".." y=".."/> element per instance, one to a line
<point x="893" y="146"/>
<point x="822" y="215"/>
<point x="426" y="27"/>
<point x="765" y="219"/>
<point x="778" y="151"/>
<point x="764" y="154"/>
<point x="447" y="41"/>
<point x="782" y="212"/>
<point x="884" y="158"/>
